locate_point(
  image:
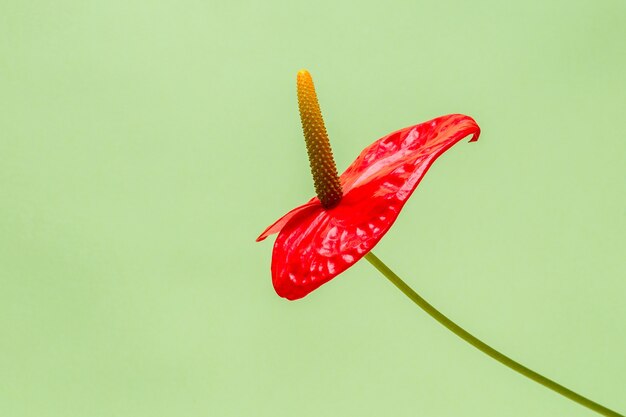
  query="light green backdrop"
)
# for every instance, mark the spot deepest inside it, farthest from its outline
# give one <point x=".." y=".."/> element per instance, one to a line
<point x="145" y="144"/>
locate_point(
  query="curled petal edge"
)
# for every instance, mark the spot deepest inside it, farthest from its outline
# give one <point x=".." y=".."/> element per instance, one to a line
<point x="278" y="225"/>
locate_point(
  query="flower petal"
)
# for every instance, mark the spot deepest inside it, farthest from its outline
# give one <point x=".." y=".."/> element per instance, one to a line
<point x="414" y="148"/>
<point x="316" y="245"/>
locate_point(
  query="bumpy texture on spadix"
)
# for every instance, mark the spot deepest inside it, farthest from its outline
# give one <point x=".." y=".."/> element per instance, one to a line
<point x="325" y="176"/>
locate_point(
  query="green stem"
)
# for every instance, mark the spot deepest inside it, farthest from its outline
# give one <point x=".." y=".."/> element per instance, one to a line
<point x="483" y="347"/>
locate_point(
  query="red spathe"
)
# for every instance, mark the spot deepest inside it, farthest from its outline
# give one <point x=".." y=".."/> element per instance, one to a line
<point x="315" y="244"/>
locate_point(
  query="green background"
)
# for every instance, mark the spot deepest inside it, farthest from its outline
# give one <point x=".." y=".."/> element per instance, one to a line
<point x="145" y="144"/>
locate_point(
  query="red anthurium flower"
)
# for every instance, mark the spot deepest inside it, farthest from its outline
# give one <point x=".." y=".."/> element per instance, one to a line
<point x="322" y="238"/>
<point x="351" y="213"/>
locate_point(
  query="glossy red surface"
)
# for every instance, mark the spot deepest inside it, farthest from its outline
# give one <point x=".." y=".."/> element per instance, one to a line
<point x="314" y="244"/>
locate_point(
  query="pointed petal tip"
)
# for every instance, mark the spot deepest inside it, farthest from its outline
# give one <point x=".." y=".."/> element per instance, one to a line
<point x="476" y="133"/>
<point x="267" y="232"/>
<point x="280" y="223"/>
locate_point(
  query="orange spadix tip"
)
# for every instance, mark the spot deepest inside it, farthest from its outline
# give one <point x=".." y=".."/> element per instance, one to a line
<point x="323" y="168"/>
